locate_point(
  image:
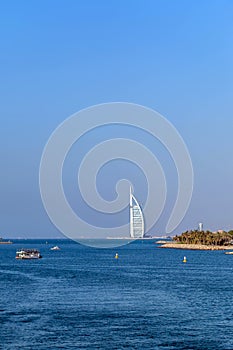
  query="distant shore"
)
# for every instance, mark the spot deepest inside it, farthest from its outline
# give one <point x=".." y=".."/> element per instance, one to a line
<point x="194" y="246"/>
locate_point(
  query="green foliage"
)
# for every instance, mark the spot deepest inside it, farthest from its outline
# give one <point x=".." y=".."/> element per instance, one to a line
<point x="218" y="238"/>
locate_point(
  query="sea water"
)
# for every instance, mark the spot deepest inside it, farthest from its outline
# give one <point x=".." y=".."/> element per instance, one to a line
<point x="84" y="298"/>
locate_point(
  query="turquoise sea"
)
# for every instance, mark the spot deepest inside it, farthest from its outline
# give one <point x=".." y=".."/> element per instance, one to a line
<point x="83" y="298"/>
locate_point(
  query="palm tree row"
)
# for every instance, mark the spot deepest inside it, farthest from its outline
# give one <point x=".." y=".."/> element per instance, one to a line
<point x="205" y="237"/>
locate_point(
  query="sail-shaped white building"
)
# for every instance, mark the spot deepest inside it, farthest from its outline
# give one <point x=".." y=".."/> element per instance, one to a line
<point x="136" y="218"/>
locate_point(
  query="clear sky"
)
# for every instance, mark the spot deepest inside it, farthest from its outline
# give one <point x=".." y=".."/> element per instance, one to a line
<point x="58" y="57"/>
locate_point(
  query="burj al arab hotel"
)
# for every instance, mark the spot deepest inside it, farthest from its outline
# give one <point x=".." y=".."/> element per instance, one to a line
<point x="137" y="229"/>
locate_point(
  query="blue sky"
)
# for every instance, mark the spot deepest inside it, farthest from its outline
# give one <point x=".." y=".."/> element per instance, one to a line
<point x="58" y="57"/>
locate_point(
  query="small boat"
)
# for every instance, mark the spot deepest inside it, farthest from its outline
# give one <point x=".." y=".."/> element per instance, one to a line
<point x="28" y="254"/>
<point x="228" y="253"/>
<point x="4" y="242"/>
<point x="55" y="248"/>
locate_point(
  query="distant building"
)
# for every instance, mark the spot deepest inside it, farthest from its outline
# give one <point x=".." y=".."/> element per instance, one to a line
<point x="200" y="226"/>
<point x="136" y="218"/>
<point x="219" y="231"/>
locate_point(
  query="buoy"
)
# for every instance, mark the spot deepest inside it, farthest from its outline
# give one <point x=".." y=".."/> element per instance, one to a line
<point x="116" y="256"/>
<point x="184" y="260"/>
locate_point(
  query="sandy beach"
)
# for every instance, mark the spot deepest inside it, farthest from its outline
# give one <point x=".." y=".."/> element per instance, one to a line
<point x="195" y="246"/>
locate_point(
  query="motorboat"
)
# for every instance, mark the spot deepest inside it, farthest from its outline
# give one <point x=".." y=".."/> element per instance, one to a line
<point x="28" y="254"/>
<point x="55" y="248"/>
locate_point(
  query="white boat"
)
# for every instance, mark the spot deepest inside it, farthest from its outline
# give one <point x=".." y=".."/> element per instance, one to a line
<point x="137" y="229"/>
<point x="28" y="254"/>
<point x="55" y="248"/>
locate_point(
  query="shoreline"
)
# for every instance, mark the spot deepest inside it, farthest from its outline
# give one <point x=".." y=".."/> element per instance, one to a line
<point x="195" y="246"/>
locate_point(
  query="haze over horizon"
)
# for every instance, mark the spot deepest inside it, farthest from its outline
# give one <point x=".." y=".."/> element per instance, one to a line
<point x="173" y="57"/>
